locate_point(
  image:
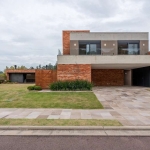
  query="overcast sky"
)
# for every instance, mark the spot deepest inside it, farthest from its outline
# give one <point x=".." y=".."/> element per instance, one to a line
<point x="31" y="30"/>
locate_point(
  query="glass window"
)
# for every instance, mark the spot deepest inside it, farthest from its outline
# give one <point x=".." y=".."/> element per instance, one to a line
<point x="89" y="47"/>
<point x="128" y="47"/>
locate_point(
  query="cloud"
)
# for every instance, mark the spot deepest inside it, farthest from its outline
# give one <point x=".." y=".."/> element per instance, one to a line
<point x="31" y="30"/>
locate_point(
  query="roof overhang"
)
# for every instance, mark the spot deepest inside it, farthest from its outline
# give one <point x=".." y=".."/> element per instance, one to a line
<point x="107" y="62"/>
<point x="20" y="71"/>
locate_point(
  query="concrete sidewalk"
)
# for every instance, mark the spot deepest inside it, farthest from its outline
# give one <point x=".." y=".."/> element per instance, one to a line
<point x="74" y="131"/>
<point x="127" y="117"/>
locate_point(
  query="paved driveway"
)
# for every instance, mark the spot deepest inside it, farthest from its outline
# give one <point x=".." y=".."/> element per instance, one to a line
<point x="129" y="105"/>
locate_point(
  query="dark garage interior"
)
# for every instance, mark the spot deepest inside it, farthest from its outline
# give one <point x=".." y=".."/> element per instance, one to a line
<point x="22" y="77"/>
<point x="141" y="77"/>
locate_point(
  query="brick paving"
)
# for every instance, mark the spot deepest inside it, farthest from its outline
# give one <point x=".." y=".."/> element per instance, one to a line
<point x="128" y="105"/>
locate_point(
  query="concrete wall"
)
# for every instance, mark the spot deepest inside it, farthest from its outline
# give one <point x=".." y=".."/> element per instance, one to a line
<point x="74" y="47"/>
<point x="73" y="72"/>
<point x="108" y="77"/>
<point x="109" y="47"/>
<point x="138" y="60"/>
<point x="144" y="48"/>
<point x="128" y="77"/>
<point x="109" y="36"/>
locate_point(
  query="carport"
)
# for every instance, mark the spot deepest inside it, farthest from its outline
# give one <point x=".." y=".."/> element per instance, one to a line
<point x="21" y="76"/>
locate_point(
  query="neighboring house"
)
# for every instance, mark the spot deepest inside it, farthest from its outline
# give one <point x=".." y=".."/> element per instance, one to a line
<point x="106" y="59"/>
<point x="21" y="76"/>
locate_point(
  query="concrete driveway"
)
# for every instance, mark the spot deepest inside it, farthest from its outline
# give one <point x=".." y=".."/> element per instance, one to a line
<point x="129" y="105"/>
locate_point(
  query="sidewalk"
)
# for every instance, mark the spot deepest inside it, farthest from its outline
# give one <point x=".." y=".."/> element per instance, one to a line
<point x="128" y="118"/>
<point x="75" y="131"/>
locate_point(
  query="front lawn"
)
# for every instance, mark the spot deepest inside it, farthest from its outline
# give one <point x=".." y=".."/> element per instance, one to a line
<point x="58" y="122"/>
<point x="17" y="96"/>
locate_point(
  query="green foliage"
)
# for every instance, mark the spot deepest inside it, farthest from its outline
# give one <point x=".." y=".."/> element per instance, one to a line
<point x="5" y="81"/>
<point x="2" y="76"/>
<point x="30" y="88"/>
<point x="77" y="85"/>
<point x="37" y="88"/>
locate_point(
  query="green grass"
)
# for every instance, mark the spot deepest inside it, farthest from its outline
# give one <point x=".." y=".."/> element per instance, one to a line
<point x="17" y="96"/>
<point x="58" y="122"/>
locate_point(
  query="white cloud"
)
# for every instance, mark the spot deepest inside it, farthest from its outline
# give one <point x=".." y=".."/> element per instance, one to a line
<point x="31" y="30"/>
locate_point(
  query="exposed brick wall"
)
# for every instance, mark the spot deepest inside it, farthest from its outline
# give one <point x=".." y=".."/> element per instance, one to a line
<point x="73" y="72"/>
<point x="66" y="40"/>
<point x="108" y="77"/>
<point x="44" y="78"/>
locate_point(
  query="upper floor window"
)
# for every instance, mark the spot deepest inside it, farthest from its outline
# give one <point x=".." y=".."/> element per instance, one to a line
<point x="89" y="47"/>
<point x="128" y="47"/>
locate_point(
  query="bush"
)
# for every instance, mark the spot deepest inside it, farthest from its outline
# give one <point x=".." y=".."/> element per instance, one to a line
<point x="30" y="88"/>
<point x="71" y="85"/>
<point x="38" y="88"/>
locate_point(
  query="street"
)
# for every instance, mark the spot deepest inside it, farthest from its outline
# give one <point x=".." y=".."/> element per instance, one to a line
<point x="73" y="143"/>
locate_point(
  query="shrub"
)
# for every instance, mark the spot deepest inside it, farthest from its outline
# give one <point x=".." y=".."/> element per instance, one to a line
<point x="71" y="85"/>
<point x="30" y="88"/>
<point x="38" y="88"/>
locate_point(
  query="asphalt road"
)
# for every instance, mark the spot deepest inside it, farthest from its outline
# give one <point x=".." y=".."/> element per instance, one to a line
<point x="73" y="143"/>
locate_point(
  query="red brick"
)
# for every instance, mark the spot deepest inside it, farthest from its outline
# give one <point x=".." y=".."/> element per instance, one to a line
<point x="44" y="78"/>
<point x="73" y="72"/>
<point x="108" y="77"/>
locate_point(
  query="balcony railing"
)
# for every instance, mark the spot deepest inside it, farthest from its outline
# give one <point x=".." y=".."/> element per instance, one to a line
<point x="129" y="51"/>
<point x="99" y="51"/>
<point x="83" y="51"/>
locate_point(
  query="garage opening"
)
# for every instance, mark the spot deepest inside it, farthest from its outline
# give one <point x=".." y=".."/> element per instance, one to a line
<point x="22" y="77"/>
<point x="141" y="77"/>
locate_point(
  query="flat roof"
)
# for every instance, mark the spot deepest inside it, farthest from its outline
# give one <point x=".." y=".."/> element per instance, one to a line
<point x="20" y="71"/>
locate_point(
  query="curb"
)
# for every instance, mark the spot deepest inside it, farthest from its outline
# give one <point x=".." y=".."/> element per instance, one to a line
<point x="74" y="131"/>
<point x="74" y="128"/>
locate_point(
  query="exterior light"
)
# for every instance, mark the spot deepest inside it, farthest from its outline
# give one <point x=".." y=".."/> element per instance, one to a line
<point x="143" y="44"/>
<point x="104" y="44"/>
<point x="75" y="44"/>
<point x="113" y="44"/>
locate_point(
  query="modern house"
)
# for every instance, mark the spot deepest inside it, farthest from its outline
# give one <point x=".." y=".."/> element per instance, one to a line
<point x="105" y="58"/>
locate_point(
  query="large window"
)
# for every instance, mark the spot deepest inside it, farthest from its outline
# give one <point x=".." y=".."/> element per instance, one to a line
<point x="128" y="47"/>
<point x="89" y="48"/>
